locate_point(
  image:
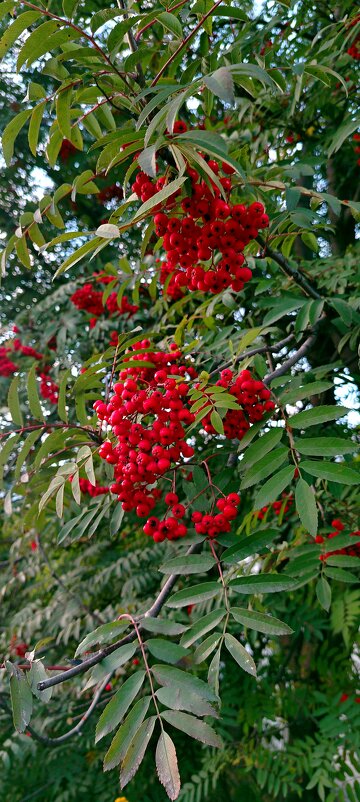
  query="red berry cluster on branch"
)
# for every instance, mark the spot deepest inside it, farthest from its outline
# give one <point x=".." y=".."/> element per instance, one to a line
<point x="92" y="490"/>
<point x="356" y="138"/>
<point x="7" y="366"/>
<point x="253" y="397"/>
<point x="90" y="300"/>
<point x="203" y="228"/>
<point x="26" y="350"/>
<point x="277" y="507"/>
<point x="338" y="526"/>
<point x="147" y="414"/>
<point x="354" y="50"/>
<point x="49" y="390"/>
<point x="213" y="525"/>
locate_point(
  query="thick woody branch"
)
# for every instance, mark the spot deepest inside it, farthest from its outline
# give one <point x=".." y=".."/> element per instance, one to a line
<point x="289" y="363"/>
<point x="96" y="658"/>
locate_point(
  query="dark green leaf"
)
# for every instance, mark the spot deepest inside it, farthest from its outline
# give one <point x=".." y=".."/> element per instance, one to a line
<point x="332" y="471"/>
<point x="194" y="595"/>
<point x="262" y="583"/>
<point x="261" y="622"/>
<point x="193" y="727"/>
<point x="323" y="592"/>
<point x="240" y="654"/>
<point x="121" y="741"/>
<point x="306" y="506"/>
<point x="115" y="710"/>
<point x="136" y="751"/>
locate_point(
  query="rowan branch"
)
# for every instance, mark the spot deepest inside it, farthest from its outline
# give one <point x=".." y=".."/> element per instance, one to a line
<point x="299" y="354"/>
<point x="293" y="272"/>
<point x="96" y="658"/>
<point x="47" y="741"/>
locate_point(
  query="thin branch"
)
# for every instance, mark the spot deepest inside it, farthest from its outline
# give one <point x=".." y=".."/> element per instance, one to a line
<point x="96" y="658"/>
<point x="302" y="351"/>
<point x="47" y="741"/>
<point x="293" y="272"/>
<point x="133" y="45"/>
<point x="262" y="349"/>
<point x="184" y="43"/>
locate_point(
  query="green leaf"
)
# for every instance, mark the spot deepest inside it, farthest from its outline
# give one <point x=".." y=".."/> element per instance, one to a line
<point x="37" y="674"/>
<point x="175" y="678"/>
<point x="306" y="391"/>
<point x="5" y="453"/>
<point x="188" y="564"/>
<point x="332" y="471"/>
<point x="266" y="465"/>
<point x="121" y="741"/>
<point x="165" y="193"/>
<point x="11" y="131"/>
<point x="282" y="308"/>
<point x="33" y="397"/>
<point x="34" y="126"/>
<point x="221" y="84"/>
<point x="342" y="134"/>
<point x="63" y="103"/>
<point x="206" y="647"/>
<point x="165" y="650"/>
<point x="201" y="627"/>
<point x="194" y="595"/>
<point x="162" y="626"/>
<point x="325" y="446"/>
<point x="323" y="592"/>
<point x="261" y="622"/>
<point x="316" y="416"/>
<point x="240" y="654"/>
<point x="273" y="488"/>
<point x="262" y="446"/>
<point x="21" y="698"/>
<point x="306" y="506"/>
<point x="25" y="450"/>
<point x="14" y="403"/>
<point x="340" y="575"/>
<point x="34" y="42"/>
<point x="13" y="31"/>
<point x="251" y="544"/>
<point x="343" y="309"/>
<point x="178" y="699"/>
<point x="166" y="764"/>
<point x="192" y="727"/>
<point x="171" y="23"/>
<point x="103" y="634"/>
<point x="216" y="422"/>
<point x="118" y="705"/>
<point x="136" y="751"/>
<point x="262" y="583"/>
<point x="343" y="561"/>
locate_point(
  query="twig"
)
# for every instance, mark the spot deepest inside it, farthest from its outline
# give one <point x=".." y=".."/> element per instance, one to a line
<point x="296" y="274"/>
<point x="44" y="739"/>
<point x="302" y="351"/>
<point x="133" y="45"/>
<point x="96" y="658"/>
<point x="262" y="349"/>
<point x="184" y="43"/>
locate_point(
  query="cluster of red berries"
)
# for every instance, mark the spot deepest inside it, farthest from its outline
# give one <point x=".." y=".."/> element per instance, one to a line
<point x="92" y="490"/>
<point x="203" y="228"/>
<point x="172" y="527"/>
<point x="277" y="507"/>
<point x="252" y="396"/>
<point x="49" y="390"/>
<point x="147" y="414"/>
<point x="354" y="50"/>
<point x="114" y="191"/>
<point x="356" y="138"/>
<point x="26" y="350"/>
<point x="7" y="366"/>
<point x="338" y="526"/>
<point x="90" y="300"/>
<point x="213" y="525"/>
<point x="67" y="149"/>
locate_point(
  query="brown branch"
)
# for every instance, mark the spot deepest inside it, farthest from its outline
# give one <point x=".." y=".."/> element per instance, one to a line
<point x="96" y="658"/>
<point x="299" y="354"/>
<point x="47" y="741"/>
<point x="293" y="272"/>
<point x="184" y="43"/>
